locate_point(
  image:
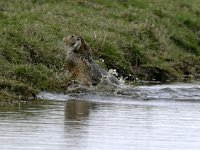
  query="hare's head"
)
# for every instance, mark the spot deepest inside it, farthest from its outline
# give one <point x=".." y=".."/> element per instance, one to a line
<point x="73" y="43"/>
<point x="77" y="44"/>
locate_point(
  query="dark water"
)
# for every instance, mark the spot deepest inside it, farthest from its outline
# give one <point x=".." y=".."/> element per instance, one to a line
<point x="162" y="117"/>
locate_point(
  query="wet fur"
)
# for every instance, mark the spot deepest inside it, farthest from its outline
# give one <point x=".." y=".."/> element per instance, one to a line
<point x="80" y="65"/>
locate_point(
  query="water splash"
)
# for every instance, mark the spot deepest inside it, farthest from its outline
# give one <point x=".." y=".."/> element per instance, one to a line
<point x="182" y="92"/>
<point x="112" y="72"/>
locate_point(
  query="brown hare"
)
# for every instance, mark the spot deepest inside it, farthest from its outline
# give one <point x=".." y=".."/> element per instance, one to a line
<point x="80" y="65"/>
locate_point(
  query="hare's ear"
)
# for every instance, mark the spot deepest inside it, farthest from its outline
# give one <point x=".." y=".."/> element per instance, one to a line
<point x="85" y="46"/>
<point x="65" y="40"/>
<point x="87" y="51"/>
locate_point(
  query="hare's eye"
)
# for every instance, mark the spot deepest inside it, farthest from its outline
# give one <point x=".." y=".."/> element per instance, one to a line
<point x="72" y="36"/>
<point x="78" y="39"/>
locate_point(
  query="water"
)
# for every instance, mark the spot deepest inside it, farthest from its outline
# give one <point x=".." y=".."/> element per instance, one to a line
<point x="161" y="117"/>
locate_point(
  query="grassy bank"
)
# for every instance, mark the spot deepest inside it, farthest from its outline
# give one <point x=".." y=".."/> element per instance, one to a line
<point x="144" y="39"/>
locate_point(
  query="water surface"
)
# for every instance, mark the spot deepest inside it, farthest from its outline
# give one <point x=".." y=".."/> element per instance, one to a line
<point x="160" y="117"/>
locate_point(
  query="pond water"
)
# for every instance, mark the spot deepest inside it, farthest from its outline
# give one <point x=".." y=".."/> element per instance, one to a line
<point x="159" y="117"/>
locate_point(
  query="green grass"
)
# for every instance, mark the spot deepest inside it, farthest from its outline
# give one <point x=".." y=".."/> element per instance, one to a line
<point x="148" y="39"/>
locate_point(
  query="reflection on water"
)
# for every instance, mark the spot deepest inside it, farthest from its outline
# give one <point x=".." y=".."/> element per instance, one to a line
<point x="76" y="110"/>
<point x="105" y="122"/>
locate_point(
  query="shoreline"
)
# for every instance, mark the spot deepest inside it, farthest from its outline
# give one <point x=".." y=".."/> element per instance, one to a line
<point x="12" y="97"/>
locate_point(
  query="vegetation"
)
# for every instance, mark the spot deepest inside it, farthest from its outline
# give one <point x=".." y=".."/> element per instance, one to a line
<point x="146" y="39"/>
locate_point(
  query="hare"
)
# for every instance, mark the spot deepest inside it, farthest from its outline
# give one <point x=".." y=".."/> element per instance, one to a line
<point x="80" y="65"/>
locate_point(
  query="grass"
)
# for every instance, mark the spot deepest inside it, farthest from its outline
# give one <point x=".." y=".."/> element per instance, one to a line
<point x="145" y="39"/>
